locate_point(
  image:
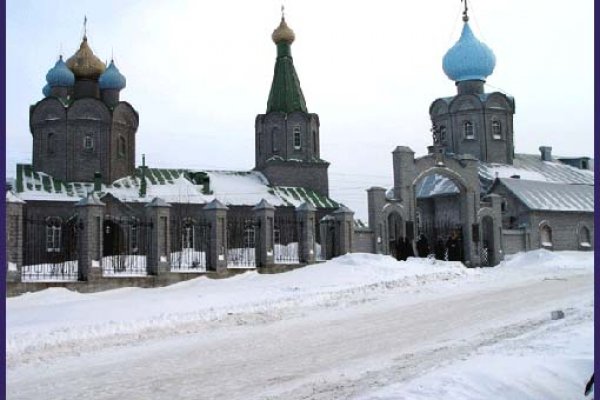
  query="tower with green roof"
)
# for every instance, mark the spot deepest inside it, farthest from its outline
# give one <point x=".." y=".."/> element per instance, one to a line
<point x="287" y="135"/>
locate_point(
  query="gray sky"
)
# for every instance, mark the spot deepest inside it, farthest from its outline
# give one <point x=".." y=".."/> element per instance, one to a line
<point x="198" y="72"/>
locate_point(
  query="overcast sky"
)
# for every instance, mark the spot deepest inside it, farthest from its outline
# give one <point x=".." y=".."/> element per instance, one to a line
<point x="198" y="72"/>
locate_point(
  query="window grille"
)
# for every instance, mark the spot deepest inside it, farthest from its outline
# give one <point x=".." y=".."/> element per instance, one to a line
<point x="469" y="131"/>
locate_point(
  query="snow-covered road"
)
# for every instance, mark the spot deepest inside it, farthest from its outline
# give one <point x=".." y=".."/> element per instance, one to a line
<point x="380" y="324"/>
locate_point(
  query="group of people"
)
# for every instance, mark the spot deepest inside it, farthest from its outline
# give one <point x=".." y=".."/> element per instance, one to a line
<point x="450" y="249"/>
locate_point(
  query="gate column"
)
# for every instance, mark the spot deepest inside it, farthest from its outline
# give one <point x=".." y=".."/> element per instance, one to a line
<point x="14" y="237"/>
<point x="496" y="202"/>
<point x="306" y="232"/>
<point x="216" y="215"/>
<point x="344" y="229"/>
<point x="264" y="214"/>
<point x="89" y="237"/>
<point x="157" y="258"/>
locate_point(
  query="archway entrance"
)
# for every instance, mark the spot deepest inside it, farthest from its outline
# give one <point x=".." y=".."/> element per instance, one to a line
<point x="441" y="205"/>
<point x="395" y="227"/>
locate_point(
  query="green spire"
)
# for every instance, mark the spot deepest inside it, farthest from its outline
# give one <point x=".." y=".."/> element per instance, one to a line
<point x="286" y="94"/>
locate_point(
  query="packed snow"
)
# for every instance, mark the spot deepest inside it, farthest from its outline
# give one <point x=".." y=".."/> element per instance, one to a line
<point x="359" y="326"/>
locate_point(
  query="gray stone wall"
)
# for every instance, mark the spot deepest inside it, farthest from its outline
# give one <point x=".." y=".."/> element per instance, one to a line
<point x="362" y="241"/>
<point x="302" y="174"/>
<point x="566" y="229"/>
<point x="514" y="240"/>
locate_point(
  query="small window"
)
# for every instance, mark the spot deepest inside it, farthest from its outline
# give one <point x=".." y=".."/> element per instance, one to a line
<point x="297" y="138"/>
<point x="88" y="143"/>
<point x="315" y="142"/>
<point x="274" y="140"/>
<point x="53" y="234"/>
<point x="546" y="236"/>
<point x="122" y="146"/>
<point x="51" y="144"/>
<point x="259" y="139"/>
<point x="496" y="129"/>
<point x="468" y="129"/>
<point x="584" y="238"/>
<point x="443" y="134"/>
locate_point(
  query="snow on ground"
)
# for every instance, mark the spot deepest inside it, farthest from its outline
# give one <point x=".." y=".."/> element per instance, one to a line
<point x="58" y="326"/>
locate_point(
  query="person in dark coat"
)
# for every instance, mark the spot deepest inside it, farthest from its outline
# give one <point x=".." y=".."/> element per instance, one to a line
<point x="422" y="246"/>
<point x="408" y="248"/>
<point x="401" y="248"/>
<point x="453" y="245"/>
<point x="439" y="249"/>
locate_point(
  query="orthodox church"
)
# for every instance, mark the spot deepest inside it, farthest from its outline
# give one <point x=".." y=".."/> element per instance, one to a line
<point x="472" y="190"/>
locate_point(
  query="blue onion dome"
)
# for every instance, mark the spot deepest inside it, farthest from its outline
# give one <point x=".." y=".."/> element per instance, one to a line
<point x="46" y="90"/>
<point x="468" y="59"/>
<point x="60" y="75"/>
<point x="112" y="78"/>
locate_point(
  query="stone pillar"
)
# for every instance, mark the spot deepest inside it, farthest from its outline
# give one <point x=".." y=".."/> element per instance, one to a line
<point x="91" y="214"/>
<point x="264" y="213"/>
<point x="496" y="202"/>
<point x="216" y="216"/>
<point x="404" y="172"/>
<point x="14" y="237"/>
<point x="305" y="221"/>
<point x="376" y="202"/>
<point x="157" y="257"/>
<point x="344" y="229"/>
<point x="328" y="245"/>
<point x="472" y="258"/>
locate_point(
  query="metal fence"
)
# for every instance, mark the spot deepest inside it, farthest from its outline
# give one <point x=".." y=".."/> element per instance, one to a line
<point x="438" y="237"/>
<point x="242" y="236"/>
<point x="319" y="245"/>
<point x="50" y="249"/>
<point x="189" y="244"/>
<point x="127" y="242"/>
<point x="285" y="241"/>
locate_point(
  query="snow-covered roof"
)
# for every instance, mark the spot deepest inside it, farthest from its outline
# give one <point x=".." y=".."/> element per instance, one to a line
<point x="435" y="185"/>
<point x="531" y="167"/>
<point x="173" y="186"/>
<point x="547" y="196"/>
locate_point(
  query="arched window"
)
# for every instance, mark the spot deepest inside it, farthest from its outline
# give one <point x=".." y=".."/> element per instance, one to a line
<point x="584" y="237"/>
<point x="546" y="236"/>
<point x="53" y="234"/>
<point x="274" y="140"/>
<point x="88" y="142"/>
<point x="468" y="129"/>
<point x="50" y="148"/>
<point x="443" y="134"/>
<point x="122" y="147"/>
<point x="297" y="138"/>
<point x="496" y="129"/>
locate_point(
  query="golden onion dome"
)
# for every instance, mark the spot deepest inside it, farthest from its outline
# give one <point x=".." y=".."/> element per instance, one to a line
<point x="84" y="63"/>
<point x="283" y="33"/>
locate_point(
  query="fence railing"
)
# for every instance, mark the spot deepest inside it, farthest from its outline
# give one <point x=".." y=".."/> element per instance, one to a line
<point x="127" y="242"/>
<point x="241" y="242"/>
<point x="50" y="249"/>
<point x="285" y="241"/>
<point x="189" y="245"/>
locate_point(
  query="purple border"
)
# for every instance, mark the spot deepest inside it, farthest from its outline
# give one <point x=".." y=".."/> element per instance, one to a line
<point x="596" y="215"/>
<point x="3" y="207"/>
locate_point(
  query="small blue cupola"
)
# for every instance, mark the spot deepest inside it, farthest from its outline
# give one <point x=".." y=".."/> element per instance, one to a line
<point x="112" y="78"/>
<point x="60" y="75"/>
<point x="469" y="59"/>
